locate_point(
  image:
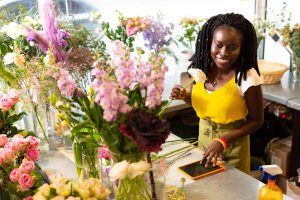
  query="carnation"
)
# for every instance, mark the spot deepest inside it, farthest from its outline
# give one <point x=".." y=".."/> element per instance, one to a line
<point x="146" y="130"/>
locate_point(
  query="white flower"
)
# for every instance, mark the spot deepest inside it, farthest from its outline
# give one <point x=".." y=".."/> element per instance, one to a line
<point x="9" y="58"/>
<point x="197" y="74"/>
<point x="13" y="30"/>
<point x="138" y="168"/>
<point x="119" y="170"/>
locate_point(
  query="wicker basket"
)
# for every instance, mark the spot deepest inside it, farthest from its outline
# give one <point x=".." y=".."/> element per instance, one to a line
<point x="271" y="72"/>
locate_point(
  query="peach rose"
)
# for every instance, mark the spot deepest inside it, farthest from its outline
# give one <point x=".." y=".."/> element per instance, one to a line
<point x="3" y="140"/>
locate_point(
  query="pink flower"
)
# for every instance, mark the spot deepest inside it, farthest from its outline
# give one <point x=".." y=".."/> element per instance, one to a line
<point x="26" y="181"/>
<point x="15" y="175"/>
<point x="33" y="141"/>
<point x="14" y="95"/>
<point x="130" y="30"/>
<point x="27" y="166"/>
<point x="33" y="154"/>
<point x="3" y="140"/>
<point x="8" y="155"/>
<point x="5" y="103"/>
<point x="1" y="158"/>
<point x="104" y="152"/>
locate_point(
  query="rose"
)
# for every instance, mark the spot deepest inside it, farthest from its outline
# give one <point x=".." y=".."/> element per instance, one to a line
<point x="33" y="141"/>
<point x="26" y="181"/>
<point x="14" y="95"/>
<point x="15" y="175"/>
<point x="6" y="103"/>
<point x="27" y="167"/>
<point x="64" y="189"/>
<point x="8" y="155"/>
<point x="33" y="154"/>
<point x="3" y="140"/>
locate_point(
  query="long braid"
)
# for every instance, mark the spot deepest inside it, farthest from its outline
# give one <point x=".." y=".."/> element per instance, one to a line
<point x="248" y="55"/>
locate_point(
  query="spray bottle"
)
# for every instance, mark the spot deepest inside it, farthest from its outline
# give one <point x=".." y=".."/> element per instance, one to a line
<point x="270" y="191"/>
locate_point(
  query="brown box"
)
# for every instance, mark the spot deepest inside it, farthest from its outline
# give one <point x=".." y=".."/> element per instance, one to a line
<point x="293" y="190"/>
<point x="280" y="152"/>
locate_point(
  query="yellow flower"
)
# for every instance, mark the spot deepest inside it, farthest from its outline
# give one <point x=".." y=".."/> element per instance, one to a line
<point x="49" y="59"/>
<point x="19" y="60"/>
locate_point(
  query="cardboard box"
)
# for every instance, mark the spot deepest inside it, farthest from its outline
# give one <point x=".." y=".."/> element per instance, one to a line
<point x="293" y="190"/>
<point x="280" y="152"/>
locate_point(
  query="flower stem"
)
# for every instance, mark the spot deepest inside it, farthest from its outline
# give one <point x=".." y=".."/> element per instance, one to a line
<point x="154" y="196"/>
<point x="170" y="101"/>
<point x="38" y="119"/>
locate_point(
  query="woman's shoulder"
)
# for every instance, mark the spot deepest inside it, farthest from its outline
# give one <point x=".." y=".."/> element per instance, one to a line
<point x="253" y="79"/>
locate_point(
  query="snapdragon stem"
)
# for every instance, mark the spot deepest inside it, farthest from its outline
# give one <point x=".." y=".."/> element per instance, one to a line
<point x="170" y="101"/>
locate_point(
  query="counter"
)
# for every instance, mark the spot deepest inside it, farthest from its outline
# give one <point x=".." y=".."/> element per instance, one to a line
<point x="230" y="184"/>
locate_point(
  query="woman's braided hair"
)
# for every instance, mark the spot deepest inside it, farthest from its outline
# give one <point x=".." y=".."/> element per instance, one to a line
<point x="248" y="55"/>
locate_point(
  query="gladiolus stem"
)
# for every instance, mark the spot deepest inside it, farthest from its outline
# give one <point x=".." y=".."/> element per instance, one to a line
<point x="170" y="101"/>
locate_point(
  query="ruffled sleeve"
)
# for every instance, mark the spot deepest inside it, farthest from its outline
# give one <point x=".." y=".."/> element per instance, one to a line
<point x="253" y="79"/>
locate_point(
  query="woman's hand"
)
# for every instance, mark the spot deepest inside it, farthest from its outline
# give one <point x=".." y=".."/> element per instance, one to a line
<point x="213" y="153"/>
<point x="178" y="92"/>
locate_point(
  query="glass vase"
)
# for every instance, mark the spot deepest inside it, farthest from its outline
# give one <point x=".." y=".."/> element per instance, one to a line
<point x="296" y="68"/>
<point x="137" y="188"/>
<point x="91" y="162"/>
<point x="87" y="161"/>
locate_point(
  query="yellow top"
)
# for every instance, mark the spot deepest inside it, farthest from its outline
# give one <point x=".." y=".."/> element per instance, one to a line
<point x="222" y="106"/>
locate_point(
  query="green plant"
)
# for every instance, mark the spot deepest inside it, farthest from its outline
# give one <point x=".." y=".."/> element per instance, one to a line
<point x="190" y="27"/>
<point x="295" y="42"/>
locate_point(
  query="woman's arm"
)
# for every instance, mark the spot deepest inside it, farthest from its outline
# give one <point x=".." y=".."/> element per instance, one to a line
<point x="254" y="120"/>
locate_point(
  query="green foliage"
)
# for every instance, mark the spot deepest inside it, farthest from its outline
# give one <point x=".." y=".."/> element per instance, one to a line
<point x="295" y="43"/>
<point x="7" y="122"/>
<point x="118" y="34"/>
<point x="191" y="28"/>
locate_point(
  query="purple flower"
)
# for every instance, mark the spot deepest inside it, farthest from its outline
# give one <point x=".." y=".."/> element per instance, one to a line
<point x="157" y="35"/>
<point x="146" y="130"/>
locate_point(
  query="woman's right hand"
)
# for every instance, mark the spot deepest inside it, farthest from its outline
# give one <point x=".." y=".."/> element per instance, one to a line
<point x="178" y="92"/>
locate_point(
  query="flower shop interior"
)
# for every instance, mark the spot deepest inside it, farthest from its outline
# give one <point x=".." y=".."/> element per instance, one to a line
<point x="86" y="109"/>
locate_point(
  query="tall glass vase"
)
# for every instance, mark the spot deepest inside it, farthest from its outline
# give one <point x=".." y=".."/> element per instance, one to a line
<point x="87" y="161"/>
<point x="296" y="68"/>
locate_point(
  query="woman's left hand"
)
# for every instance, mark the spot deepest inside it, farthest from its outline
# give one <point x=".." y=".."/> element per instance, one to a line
<point x="213" y="153"/>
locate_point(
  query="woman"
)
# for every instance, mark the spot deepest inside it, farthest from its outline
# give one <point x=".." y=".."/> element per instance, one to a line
<point x="229" y="103"/>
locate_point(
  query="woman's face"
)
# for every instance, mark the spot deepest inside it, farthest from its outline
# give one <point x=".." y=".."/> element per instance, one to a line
<point x="226" y="47"/>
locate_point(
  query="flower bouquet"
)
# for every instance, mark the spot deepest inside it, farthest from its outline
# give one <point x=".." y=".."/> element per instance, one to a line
<point x="61" y="189"/>
<point x="120" y="108"/>
<point x="19" y="175"/>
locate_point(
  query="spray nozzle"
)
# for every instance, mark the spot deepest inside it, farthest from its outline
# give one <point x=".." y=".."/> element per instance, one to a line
<point x="270" y="170"/>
